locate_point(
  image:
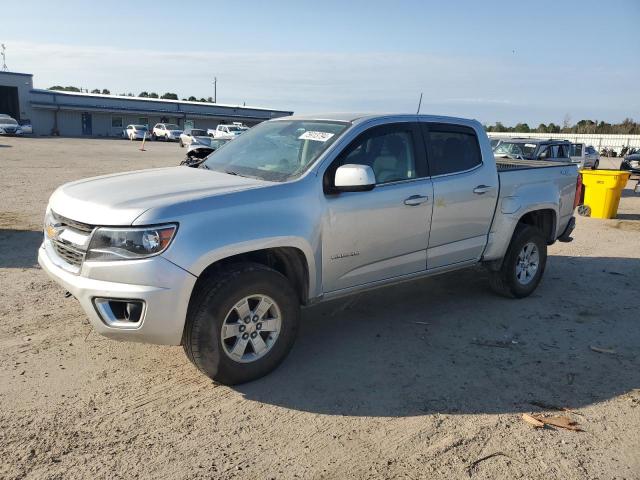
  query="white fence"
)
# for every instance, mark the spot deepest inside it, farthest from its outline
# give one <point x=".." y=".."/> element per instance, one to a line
<point x="598" y="141"/>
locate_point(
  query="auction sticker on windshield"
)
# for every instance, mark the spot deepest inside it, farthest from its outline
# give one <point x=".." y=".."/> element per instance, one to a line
<point x="317" y="136"/>
<point x="530" y="145"/>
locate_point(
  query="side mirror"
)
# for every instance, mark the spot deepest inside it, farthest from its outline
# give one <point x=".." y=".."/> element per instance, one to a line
<point x="354" y="178"/>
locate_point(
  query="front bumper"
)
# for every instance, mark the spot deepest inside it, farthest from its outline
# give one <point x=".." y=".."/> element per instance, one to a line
<point x="164" y="288"/>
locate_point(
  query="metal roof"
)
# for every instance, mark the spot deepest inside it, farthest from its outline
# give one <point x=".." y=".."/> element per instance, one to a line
<point x="114" y="98"/>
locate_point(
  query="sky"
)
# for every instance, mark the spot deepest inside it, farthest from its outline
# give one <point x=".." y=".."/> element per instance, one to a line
<point x="507" y="61"/>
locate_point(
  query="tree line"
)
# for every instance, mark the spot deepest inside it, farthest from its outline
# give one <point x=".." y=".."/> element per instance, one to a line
<point x="626" y="127"/>
<point x="104" y="91"/>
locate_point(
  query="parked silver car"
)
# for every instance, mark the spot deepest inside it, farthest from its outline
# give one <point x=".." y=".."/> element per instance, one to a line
<point x="220" y="258"/>
<point x="585" y="156"/>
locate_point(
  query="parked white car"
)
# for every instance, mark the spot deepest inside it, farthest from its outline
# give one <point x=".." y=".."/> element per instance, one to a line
<point x="228" y="131"/>
<point x="585" y="156"/>
<point x="137" y="132"/>
<point x="166" y="131"/>
<point x="194" y="136"/>
<point x="9" y="126"/>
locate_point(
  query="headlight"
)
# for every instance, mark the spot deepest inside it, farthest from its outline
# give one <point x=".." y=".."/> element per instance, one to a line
<point x="129" y="243"/>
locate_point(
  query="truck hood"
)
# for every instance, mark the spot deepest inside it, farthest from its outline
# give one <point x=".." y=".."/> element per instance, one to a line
<point x="121" y="198"/>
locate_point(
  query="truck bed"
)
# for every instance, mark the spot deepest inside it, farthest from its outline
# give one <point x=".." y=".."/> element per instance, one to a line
<point x="507" y="164"/>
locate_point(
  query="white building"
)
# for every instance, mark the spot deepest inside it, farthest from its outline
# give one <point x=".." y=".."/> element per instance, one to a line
<point x="87" y="114"/>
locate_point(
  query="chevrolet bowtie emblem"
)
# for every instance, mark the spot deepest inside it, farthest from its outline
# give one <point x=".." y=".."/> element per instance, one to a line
<point x="52" y="232"/>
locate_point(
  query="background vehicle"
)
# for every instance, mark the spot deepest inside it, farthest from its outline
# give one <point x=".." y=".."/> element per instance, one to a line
<point x="298" y="210"/>
<point x="9" y="126"/>
<point x="228" y="131"/>
<point x="584" y="155"/>
<point x="26" y="127"/>
<point x="533" y="149"/>
<point x="198" y="153"/>
<point x="608" y="152"/>
<point x="137" y="132"/>
<point x="194" y="136"/>
<point x="631" y="163"/>
<point x="166" y="131"/>
<point x="494" y="142"/>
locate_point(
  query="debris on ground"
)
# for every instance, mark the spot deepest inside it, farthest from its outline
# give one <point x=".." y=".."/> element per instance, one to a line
<point x="549" y="406"/>
<point x="603" y="350"/>
<point x="531" y="420"/>
<point x="482" y="459"/>
<point x="539" y="421"/>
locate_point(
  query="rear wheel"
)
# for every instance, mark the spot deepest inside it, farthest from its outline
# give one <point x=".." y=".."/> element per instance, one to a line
<point x="523" y="265"/>
<point x="241" y="323"/>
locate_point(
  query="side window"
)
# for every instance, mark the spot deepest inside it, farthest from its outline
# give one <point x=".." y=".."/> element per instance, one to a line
<point x="563" y="151"/>
<point x="544" y="153"/>
<point x="576" y="150"/>
<point x="390" y="150"/>
<point x="554" y="151"/>
<point x="451" y="148"/>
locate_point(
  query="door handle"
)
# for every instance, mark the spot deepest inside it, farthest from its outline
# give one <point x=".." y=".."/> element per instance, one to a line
<point x="480" y="189"/>
<point x="414" y="200"/>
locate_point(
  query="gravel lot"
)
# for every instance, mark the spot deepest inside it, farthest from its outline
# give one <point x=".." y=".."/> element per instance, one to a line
<point x="422" y="380"/>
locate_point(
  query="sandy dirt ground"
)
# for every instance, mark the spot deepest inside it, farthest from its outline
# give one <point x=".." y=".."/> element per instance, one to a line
<point x="422" y="380"/>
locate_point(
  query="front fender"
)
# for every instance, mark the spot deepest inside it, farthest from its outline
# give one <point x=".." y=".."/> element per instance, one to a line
<point x="225" y="251"/>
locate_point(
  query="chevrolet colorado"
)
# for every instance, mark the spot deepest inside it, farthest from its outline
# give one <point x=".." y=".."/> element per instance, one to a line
<point x="220" y="258"/>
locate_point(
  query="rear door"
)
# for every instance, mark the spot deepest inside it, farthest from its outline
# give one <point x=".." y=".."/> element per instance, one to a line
<point x="465" y="192"/>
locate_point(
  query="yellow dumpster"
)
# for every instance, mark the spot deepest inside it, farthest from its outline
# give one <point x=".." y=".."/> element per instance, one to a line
<point x="602" y="191"/>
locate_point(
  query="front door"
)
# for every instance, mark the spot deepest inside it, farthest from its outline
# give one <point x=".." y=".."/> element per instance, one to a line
<point x="465" y="193"/>
<point x="86" y="124"/>
<point x="383" y="233"/>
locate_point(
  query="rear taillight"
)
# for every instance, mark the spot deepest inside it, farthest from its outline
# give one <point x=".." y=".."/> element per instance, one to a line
<point x="578" y="198"/>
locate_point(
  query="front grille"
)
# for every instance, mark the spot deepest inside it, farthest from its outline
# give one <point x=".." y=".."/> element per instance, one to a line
<point x="72" y="224"/>
<point x="69" y="254"/>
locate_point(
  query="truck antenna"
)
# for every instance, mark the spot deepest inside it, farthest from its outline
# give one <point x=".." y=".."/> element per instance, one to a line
<point x="419" y="104"/>
<point x="4" y="58"/>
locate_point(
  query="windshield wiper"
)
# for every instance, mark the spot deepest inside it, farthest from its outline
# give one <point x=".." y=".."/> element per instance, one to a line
<point x="230" y="172"/>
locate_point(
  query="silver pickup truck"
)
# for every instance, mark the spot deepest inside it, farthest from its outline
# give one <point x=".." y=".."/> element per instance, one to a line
<point x="220" y="258"/>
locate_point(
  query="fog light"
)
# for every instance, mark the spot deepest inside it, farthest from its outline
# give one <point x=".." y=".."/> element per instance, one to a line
<point x="119" y="313"/>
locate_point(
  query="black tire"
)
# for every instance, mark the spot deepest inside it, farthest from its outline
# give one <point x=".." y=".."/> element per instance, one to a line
<point x="181" y="144"/>
<point x="504" y="281"/>
<point x="209" y="306"/>
<point x="153" y="136"/>
<point x="596" y="165"/>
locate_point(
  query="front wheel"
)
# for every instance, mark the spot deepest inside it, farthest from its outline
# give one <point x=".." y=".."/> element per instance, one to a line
<point x="596" y="165"/>
<point x="523" y="265"/>
<point x="241" y="323"/>
<point x="181" y="144"/>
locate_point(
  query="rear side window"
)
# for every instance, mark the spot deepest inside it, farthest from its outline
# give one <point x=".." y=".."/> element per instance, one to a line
<point x="451" y="148"/>
<point x="576" y="150"/>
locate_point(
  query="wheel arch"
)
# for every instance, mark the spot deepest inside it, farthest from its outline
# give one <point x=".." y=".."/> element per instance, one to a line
<point x="290" y="261"/>
<point x="545" y="218"/>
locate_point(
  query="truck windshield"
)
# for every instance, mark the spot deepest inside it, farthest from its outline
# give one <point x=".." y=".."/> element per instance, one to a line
<point x="515" y="149"/>
<point x="276" y="151"/>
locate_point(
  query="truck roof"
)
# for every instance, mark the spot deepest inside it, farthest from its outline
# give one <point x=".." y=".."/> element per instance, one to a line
<point x="354" y="117"/>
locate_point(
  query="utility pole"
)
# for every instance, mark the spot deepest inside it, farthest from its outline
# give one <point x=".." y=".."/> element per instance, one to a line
<point x="215" y="89"/>
<point x="4" y="59"/>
